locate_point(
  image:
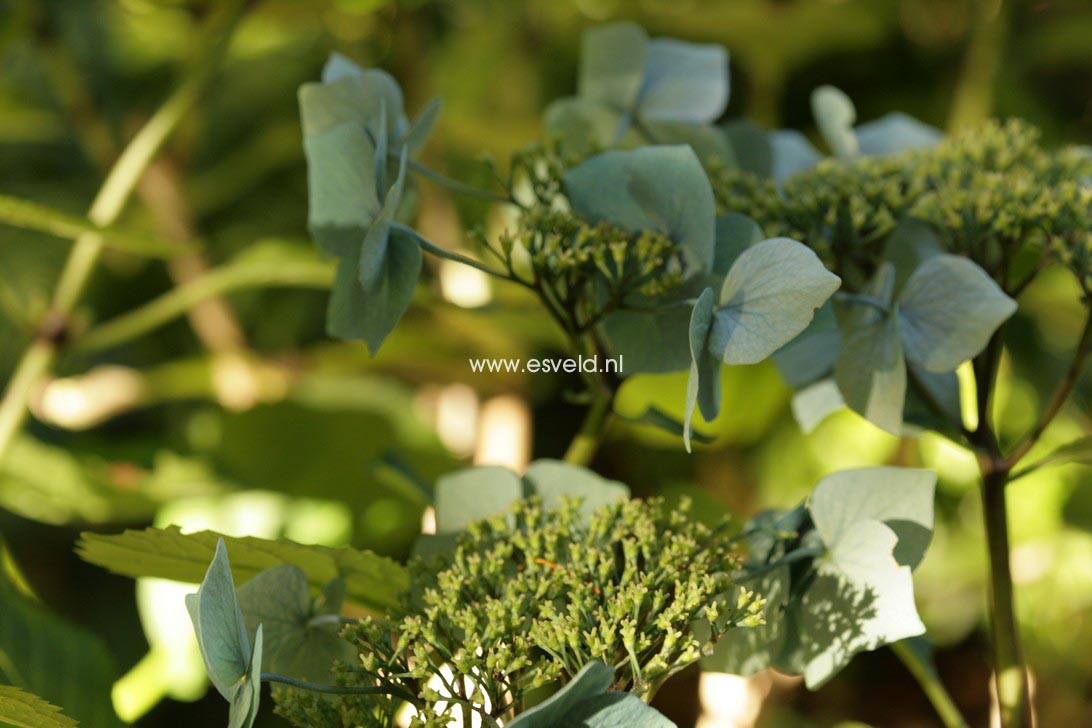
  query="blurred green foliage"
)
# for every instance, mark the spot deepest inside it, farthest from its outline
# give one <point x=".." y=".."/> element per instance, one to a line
<point x="311" y="419"/>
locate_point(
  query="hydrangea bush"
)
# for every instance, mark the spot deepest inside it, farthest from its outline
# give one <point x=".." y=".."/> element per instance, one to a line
<point x="647" y="230"/>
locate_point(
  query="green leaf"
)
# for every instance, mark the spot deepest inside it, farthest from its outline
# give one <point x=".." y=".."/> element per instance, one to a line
<point x="594" y="679"/>
<point x="902" y="498"/>
<point x="810" y="357"/>
<point x="835" y="115"/>
<point x="703" y="386"/>
<point x="218" y="623"/>
<point x="472" y="494"/>
<point x="21" y="709"/>
<point x="896" y="132"/>
<point x="663" y="189"/>
<point x="422" y="126"/>
<point x="372" y="581"/>
<point x="55" y="659"/>
<point x="769" y="296"/>
<point x="684" y="82"/>
<point x="612" y="64"/>
<point x="615" y="710"/>
<point x="948" y="311"/>
<point x="42" y="218"/>
<point x="587" y="702"/>
<point x="301" y="634"/>
<point x="870" y="370"/>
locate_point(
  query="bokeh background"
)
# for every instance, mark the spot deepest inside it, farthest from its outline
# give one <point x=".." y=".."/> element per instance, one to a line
<point x="247" y="419"/>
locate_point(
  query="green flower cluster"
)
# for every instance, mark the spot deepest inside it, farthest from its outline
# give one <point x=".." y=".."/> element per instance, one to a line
<point x="582" y="270"/>
<point x="997" y="196"/>
<point x="993" y="194"/>
<point x="527" y="599"/>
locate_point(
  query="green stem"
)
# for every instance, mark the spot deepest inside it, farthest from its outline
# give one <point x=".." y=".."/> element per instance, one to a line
<point x="273" y="677"/>
<point x="177" y="301"/>
<point x="456" y="186"/>
<point x="38" y="359"/>
<point x="931" y="685"/>
<point x="584" y="446"/>
<point x="1010" y="673"/>
<point x="452" y="256"/>
<point x="809" y="552"/>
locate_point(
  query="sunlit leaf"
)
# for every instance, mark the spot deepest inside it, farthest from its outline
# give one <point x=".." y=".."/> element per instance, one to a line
<point x="21" y="709"/>
<point x="371" y="581"/>
<point x="815" y="402"/>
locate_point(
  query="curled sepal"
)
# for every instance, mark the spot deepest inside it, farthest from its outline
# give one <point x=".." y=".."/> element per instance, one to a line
<point x="232" y="666"/>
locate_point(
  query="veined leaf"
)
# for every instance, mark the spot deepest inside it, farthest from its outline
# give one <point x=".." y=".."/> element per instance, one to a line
<point x="21" y="709"/>
<point x="372" y="581"/>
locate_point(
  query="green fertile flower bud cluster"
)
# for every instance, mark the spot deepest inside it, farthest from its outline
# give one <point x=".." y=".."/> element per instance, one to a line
<point x="576" y="258"/>
<point x="993" y="194"/>
<point x="528" y="598"/>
